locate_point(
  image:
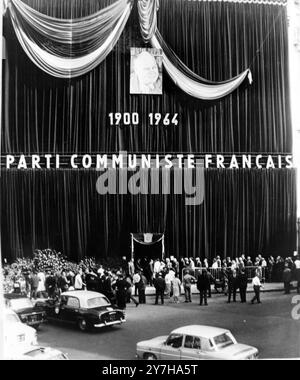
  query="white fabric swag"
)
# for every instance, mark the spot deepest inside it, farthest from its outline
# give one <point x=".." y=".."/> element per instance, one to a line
<point x="49" y="42"/>
<point x="182" y="76"/>
<point x="67" y="48"/>
<point x="148" y="18"/>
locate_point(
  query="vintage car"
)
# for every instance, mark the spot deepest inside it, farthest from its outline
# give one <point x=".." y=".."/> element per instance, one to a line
<point x="86" y="309"/>
<point x="41" y="353"/>
<point x="195" y="343"/>
<point x="17" y="336"/>
<point x="28" y="313"/>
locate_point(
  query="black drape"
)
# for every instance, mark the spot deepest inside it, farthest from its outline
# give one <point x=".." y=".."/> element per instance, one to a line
<point x="245" y="211"/>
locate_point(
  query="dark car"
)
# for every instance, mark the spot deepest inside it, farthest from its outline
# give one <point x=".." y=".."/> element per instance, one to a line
<point x="85" y="309"/>
<point x="32" y="315"/>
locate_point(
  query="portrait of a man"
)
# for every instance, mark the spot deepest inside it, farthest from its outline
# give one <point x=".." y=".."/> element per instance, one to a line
<point x="146" y="71"/>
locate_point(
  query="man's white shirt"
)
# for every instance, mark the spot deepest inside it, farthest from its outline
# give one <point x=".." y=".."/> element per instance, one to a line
<point x="256" y="281"/>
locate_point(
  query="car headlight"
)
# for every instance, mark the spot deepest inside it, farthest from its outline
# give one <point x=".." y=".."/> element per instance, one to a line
<point x="23" y="316"/>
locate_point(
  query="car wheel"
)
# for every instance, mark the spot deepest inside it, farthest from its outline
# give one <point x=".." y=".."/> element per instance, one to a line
<point x="150" y="357"/>
<point x="82" y="324"/>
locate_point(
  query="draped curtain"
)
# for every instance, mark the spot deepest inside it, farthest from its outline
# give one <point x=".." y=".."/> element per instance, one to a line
<point x="181" y="75"/>
<point x="244" y="211"/>
<point x="69" y="47"/>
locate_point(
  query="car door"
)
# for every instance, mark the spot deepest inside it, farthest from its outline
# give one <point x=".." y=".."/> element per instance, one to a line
<point x="69" y="310"/>
<point x="171" y="349"/>
<point x="193" y="348"/>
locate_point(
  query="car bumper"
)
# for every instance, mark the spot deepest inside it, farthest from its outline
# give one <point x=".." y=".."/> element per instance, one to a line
<point x="118" y="322"/>
<point x="34" y="323"/>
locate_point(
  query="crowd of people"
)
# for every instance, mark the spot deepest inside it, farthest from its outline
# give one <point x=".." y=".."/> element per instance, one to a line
<point x="49" y="273"/>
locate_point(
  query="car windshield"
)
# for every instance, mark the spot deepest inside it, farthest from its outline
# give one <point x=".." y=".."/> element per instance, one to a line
<point x="97" y="302"/>
<point x="20" y="303"/>
<point x="11" y="318"/>
<point x="223" y="340"/>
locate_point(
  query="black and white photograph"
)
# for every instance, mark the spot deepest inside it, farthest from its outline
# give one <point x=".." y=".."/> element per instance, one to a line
<point x="149" y="187"/>
<point x="146" y="71"/>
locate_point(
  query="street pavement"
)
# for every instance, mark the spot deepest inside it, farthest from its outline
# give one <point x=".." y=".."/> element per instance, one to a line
<point x="267" y="287"/>
<point x="268" y="326"/>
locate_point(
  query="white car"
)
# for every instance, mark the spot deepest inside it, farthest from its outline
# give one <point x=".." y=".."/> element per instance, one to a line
<point x="17" y="336"/>
<point x="195" y="343"/>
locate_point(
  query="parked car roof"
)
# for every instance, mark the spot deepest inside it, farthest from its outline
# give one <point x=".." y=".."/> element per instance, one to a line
<point x="82" y="294"/>
<point x="42" y="353"/>
<point x="200" y="330"/>
<point x="85" y="296"/>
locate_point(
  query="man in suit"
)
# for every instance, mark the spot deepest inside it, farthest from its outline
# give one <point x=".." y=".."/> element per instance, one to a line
<point x="203" y="284"/>
<point x="141" y="285"/>
<point x="243" y="283"/>
<point x="160" y="285"/>
<point x="232" y="285"/>
<point x="122" y="287"/>
<point x="124" y="266"/>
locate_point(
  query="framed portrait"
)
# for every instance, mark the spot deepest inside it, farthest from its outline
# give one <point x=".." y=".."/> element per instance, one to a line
<point x="146" y="71"/>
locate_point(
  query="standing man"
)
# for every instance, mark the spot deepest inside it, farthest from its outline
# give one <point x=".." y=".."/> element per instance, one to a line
<point x="168" y="281"/>
<point x="129" y="292"/>
<point x="107" y="287"/>
<point x="41" y="288"/>
<point x="160" y="285"/>
<point x="156" y="268"/>
<point x="131" y="268"/>
<point x="34" y="282"/>
<point x="198" y="263"/>
<point x="287" y="278"/>
<point x="256" y="287"/>
<point x="141" y="285"/>
<point x="188" y="280"/>
<point x="122" y="287"/>
<point x="176" y="285"/>
<point x="297" y="273"/>
<point x="232" y="285"/>
<point x="136" y="279"/>
<point x="124" y="266"/>
<point x="212" y="280"/>
<point x="79" y="284"/>
<point x="203" y="285"/>
<point x="242" y="284"/>
<point x="50" y="284"/>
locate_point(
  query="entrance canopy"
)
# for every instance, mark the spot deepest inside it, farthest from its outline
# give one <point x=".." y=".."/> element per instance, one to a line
<point x="147" y="239"/>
